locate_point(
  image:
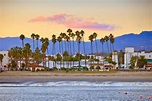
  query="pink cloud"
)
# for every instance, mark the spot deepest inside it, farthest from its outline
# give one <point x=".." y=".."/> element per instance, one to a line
<point x="74" y="22"/>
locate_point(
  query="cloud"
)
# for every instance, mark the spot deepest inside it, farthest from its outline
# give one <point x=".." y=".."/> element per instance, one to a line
<point x="71" y="21"/>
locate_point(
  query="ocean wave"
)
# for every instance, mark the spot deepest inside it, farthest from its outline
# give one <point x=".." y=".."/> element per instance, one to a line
<point x="74" y="83"/>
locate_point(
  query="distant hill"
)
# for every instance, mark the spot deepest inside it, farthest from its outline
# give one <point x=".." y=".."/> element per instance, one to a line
<point x="142" y="41"/>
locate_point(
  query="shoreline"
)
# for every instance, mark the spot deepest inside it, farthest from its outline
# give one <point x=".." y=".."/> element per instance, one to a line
<point x="25" y="76"/>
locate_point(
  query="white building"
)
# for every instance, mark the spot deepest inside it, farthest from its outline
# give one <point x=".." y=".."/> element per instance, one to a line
<point x="115" y="58"/>
<point x="5" y="60"/>
<point x="129" y="52"/>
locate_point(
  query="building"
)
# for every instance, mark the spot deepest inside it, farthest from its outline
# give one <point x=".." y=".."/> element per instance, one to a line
<point x="129" y="52"/>
<point x="5" y="60"/>
<point x="115" y="58"/>
<point x="35" y="67"/>
<point x="149" y="64"/>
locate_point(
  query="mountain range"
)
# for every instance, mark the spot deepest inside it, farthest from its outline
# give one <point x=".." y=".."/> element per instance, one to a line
<point x="141" y="41"/>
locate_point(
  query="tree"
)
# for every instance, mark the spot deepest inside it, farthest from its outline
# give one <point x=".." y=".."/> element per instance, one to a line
<point x="27" y="53"/>
<point x="33" y="37"/>
<point x="141" y="62"/>
<point x="37" y="48"/>
<point x="37" y="38"/>
<point x="1" y="58"/>
<point x="69" y="35"/>
<point x="67" y="38"/>
<point x="53" y="48"/>
<point x="94" y="37"/>
<point x="43" y="49"/>
<point x="82" y="34"/>
<point x="62" y="37"/>
<point x="47" y="44"/>
<point x="120" y="58"/>
<point x="111" y="37"/>
<point x="37" y="55"/>
<point x="102" y="42"/>
<point x="91" y="40"/>
<point x="59" y="39"/>
<point x="133" y="61"/>
<point x="16" y="53"/>
<point x="22" y="37"/>
<point x="73" y="35"/>
<point x="14" y="65"/>
<point x="106" y="38"/>
<point x="78" y="39"/>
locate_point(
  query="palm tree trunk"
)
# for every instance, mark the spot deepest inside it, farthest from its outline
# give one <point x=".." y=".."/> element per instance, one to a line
<point x="48" y="57"/>
<point x="33" y="45"/>
<point x="68" y="52"/>
<point x="73" y="51"/>
<point x="84" y="52"/>
<point x="23" y="43"/>
<point x="62" y="53"/>
<point x="53" y="53"/>
<point x="79" y="54"/>
<point x="97" y="49"/>
<point x="91" y="53"/>
<point x="59" y="52"/>
<point x="103" y="54"/>
<point x="108" y="47"/>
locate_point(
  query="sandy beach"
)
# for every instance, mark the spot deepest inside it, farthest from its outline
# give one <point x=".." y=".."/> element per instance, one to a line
<point x="119" y="76"/>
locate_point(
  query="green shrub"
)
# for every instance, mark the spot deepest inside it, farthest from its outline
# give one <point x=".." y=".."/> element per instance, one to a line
<point x="54" y="68"/>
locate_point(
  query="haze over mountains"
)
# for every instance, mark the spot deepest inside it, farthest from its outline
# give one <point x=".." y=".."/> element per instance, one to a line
<point x="142" y="41"/>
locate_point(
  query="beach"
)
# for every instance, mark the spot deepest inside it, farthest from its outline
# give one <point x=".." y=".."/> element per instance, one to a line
<point x="119" y="76"/>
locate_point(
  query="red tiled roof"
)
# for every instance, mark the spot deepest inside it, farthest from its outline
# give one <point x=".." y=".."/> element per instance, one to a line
<point x="110" y="66"/>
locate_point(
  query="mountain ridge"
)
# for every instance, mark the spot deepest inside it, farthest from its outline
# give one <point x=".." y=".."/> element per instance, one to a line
<point x="141" y="41"/>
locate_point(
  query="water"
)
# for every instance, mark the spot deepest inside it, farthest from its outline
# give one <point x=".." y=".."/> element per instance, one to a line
<point x="76" y="91"/>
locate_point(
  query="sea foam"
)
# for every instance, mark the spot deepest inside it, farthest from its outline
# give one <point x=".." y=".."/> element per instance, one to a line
<point x="74" y="83"/>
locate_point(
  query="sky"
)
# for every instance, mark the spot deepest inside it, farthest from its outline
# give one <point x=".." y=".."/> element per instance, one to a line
<point x="48" y="17"/>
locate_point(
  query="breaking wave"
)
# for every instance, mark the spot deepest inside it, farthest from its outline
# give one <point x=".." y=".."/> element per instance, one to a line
<point x="74" y="83"/>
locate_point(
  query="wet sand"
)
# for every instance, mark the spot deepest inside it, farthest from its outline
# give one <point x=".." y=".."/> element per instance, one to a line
<point x="120" y="76"/>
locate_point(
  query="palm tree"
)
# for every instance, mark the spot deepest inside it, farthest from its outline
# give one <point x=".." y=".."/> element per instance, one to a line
<point x="69" y="33"/>
<point x="68" y="48"/>
<point x="22" y="37"/>
<point x="102" y="42"/>
<point x="82" y="34"/>
<point x="47" y="44"/>
<point x="73" y="35"/>
<point x="37" y="48"/>
<point x="62" y="37"/>
<point x="112" y="41"/>
<point x="37" y="54"/>
<point x="106" y="38"/>
<point x="59" y="39"/>
<point x="37" y="38"/>
<point x="91" y="40"/>
<point x="78" y="39"/>
<point x="110" y="37"/>
<point x="33" y="37"/>
<point x="53" y="48"/>
<point x="94" y="37"/>
<point x="43" y="49"/>
<point x="27" y="53"/>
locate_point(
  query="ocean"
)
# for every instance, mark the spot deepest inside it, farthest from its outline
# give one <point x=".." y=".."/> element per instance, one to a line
<point x="76" y="91"/>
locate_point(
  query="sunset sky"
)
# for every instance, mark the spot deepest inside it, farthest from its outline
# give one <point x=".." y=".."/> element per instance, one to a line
<point x="47" y="17"/>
